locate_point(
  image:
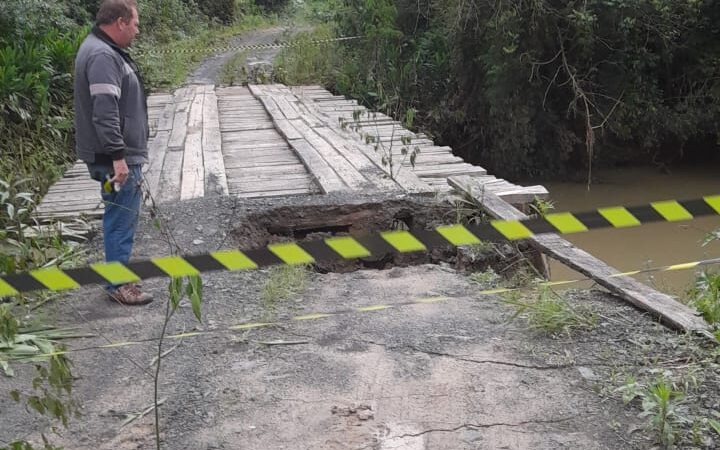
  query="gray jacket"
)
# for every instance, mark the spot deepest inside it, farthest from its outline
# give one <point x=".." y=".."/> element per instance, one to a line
<point x="110" y="107"/>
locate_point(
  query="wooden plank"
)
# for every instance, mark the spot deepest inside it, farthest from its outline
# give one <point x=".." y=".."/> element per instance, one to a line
<point x="327" y="179"/>
<point x="68" y="215"/>
<point x="182" y="105"/>
<point x="307" y="115"/>
<point x="263" y="185"/>
<point x="278" y="193"/>
<point x="75" y="197"/>
<point x="288" y="108"/>
<point x="157" y="148"/>
<point x="349" y="174"/>
<point x="214" y="163"/>
<point x="59" y="208"/>
<point x="245" y="152"/>
<point x="75" y="190"/>
<point x="276" y="169"/>
<point x="660" y="305"/>
<point x="246" y="126"/>
<point x="253" y="136"/>
<point x="444" y="170"/>
<point x="523" y="194"/>
<point x="403" y="177"/>
<point x="243" y="177"/>
<point x="262" y="164"/>
<point x="166" y="118"/>
<point x="256" y="158"/>
<point x="366" y="167"/>
<point x="287" y="130"/>
<point x="169" y="185"/>
<point x="192" y="184"/>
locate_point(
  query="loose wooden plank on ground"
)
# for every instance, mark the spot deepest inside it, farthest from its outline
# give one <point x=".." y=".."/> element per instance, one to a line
<point x="660" y="305"/>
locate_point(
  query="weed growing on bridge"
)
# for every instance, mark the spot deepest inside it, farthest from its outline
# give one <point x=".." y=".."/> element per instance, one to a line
<point x="385" y="146"/>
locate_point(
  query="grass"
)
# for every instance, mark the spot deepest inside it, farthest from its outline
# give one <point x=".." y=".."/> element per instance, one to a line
<point x="304" y="62"/>
<point x="705" y="297"/>
<point x="550" y="313"/>
<point x="283" y="283"/>
<point x="660" y="403"/>
<point x="486" y="280"/>
<point x="234" y="73"/>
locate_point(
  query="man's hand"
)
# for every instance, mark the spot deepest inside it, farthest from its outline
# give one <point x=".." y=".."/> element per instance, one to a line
<point x="121" y="172"/>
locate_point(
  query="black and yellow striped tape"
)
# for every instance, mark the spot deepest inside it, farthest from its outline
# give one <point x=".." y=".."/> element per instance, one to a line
<point x="349" y="247"/>
<point x="319" y="315"/>
<point x="245" y="47"/>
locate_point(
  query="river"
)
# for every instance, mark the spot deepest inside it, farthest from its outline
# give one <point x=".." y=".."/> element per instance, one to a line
<point x="651" y="245"/>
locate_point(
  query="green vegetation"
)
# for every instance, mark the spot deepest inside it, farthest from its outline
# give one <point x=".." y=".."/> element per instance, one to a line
<point x="537" y="88"/>
<point x="551" y="313"/>
<point x="38" y="43"/>
<point x="659" y="402"/>
<point x="307" y="63"/>
<point x="283" y="283"/>
<point x="234" y="73"/>
<point x="705" y="297"/>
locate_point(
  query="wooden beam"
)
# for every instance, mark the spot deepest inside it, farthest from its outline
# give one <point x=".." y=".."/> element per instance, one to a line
<point x="215" y="177"/>
<point x="192" y="184"/>
<point x="666" y="308"/>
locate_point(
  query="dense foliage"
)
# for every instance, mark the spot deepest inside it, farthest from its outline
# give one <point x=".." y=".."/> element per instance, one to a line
<point x="541" y="87"/>
<point x="38" y="42"/>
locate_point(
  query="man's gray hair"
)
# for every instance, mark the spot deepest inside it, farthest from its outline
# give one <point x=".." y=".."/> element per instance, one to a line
<point x="112" y="10"/>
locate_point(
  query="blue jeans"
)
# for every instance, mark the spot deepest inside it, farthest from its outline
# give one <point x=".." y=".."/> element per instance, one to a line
<point x="122" y="210"/>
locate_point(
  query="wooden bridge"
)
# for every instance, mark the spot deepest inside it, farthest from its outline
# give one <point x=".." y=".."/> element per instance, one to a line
<point x="274" y="140"/>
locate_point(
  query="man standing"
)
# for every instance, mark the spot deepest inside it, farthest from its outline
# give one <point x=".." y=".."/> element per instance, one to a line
<point x="112" y="130"/>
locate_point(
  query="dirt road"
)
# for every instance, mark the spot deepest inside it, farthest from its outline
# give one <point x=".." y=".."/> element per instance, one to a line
<point x="449" y="374"/>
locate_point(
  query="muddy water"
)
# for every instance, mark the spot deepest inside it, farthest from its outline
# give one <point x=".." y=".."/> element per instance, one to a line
<point x="649" y="245"/>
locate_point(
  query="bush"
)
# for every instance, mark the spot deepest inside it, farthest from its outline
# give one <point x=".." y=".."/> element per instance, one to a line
<point x="271" y="5"/>
<point x="35" y="106"/>
<point x="545" y="88"/>
<point x="29" y="18"/>
<point x="168" y="20"/>
<point x="221" y="10"/>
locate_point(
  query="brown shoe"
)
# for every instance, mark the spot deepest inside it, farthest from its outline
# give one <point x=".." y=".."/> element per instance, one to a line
<point x="130" y="294"/>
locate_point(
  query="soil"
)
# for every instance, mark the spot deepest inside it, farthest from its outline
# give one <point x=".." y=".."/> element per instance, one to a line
<point x="456" y="373"/>
<point x="452" y="374"/>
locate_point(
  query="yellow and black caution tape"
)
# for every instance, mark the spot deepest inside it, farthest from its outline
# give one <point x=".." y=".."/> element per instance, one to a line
<point x="349" y="248"/>
<point x="368" y="309"/>
<point x="247" y="47"/>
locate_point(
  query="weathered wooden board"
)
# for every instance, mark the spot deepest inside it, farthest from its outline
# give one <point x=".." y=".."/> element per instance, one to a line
<point x="349" y="174"/>
<point x="215" y="178"/>
<point x="327" y="179"/>
<point x="157" y="148"/>
<point x="663" y="306"/>
<point x="274" y="193"/>
<point x="444" y="170"/>
<point x="170" y="177"/>
<point x="366" y="167"/>
<point x="192" y="183"/>
<point x="183" y="100"/>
